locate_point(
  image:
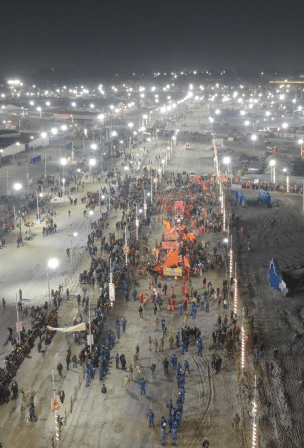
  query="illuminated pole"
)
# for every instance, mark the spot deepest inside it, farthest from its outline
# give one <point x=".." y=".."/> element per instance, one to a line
<point x="243" y="349"/>
<point x="18" y="320"/>
<point x="151" y="189"/>
<point x="231" y="264"/>
<point x="287" y="185"/>
<point x="254" y="413"/>
<point x="90" y="335"/>
<point x="57" y="434"/>
<point x="126" y="247"/>
<point x="145" y="204"/>
<point x="273" y="174"/>
<point x="224" y="212"/>
<point x="38" y="212"/>
<point x="111" y="285"/>
<point x="137" y="221"/>
<point x="235" y="293"/>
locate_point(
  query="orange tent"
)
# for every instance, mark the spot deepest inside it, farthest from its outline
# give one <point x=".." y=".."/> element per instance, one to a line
<point x="173" y="260"/>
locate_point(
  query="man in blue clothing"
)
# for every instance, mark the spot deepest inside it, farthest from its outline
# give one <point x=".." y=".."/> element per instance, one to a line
<point x="134" y="294"/>
<point x="163" y="421"/>
<point x="163" y="434"/>
<point x="170" y="421"/>
<point x="177" y="339"/>
<point x="174" y="361"/>
<point x="182" y="392"/>
<point x="142" y="384"/>
<point x="199" y="347"/>
<point x="124" y="324"/>
<point x="186" y="367"/>
<point x="180" y="309"/>
<point x="151" y="418"/>
<point x="100" y="373"/>
<point x="183" y="346"/>
<point x="174" y="436"/>
<point x="179" y="368"/>
<point x="182" y="381"/>
<point x="170" y="406"/>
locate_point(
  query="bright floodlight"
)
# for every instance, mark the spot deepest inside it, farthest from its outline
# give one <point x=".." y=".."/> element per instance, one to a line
<point x="211" y="119"/>
<point x="145" y="117"/>
<point x="300" y="141"/>
<point x="92" y="162"/>
<point x="284" y="125"/>
<point x="272" y="162"/>
<point x="100" y="116"/>
<point x="75" y="234"/>
<point x="126" y="168"/>
<point x="63" y="161"/>
<point x="217" y="111"/>
<point x="254" y="137"/>
<point x="53" y="263"/>
<point x="93" y="146"/>
<point x="114" y="134"/>
<point x="91" y="212"/>
<point x="74" y="104"/>
<point x="64" y="127"/>
<point x="242" y="111"/>
<point x="54" y="131"/>
<point x="246" y="123"/>
<point x="43" y="134"/>
<point x="17" y="186"/>
<point x="130" y="125"/>
<point x="226" y="160"/>
<point x="267" y="113"/>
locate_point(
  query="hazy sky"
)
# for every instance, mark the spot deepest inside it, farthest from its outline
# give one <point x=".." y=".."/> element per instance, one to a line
<point x="121" y="35"/>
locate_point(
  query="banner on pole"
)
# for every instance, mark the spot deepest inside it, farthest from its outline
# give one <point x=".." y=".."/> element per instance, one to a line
<point x="55" y="404"/>
<point x="18" y="326"/>
<point x="90" y="339"/>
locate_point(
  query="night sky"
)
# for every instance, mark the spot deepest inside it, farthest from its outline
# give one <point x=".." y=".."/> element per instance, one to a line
<point x="119" y="35"/>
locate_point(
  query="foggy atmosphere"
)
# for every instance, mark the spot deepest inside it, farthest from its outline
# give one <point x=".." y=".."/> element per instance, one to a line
<point x="151" y="237"/>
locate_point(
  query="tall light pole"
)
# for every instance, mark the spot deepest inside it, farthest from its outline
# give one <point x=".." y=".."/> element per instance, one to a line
<point x="38" y="211"/>
<point x="17" y="187"/>
<point x="299" y="141"/>
<point x="53" y="263"/>
<point x="63" y="162"/>
<point x="130" y="126"/>
<point x="74" y="235"/>
<point x="91" y="213"/>
<point x="272" y="170"/>
<point x="254" y="138"/>
<point x="92" y="163"/>
<point x="211" y="122"/>
<point x="227" y="161"/>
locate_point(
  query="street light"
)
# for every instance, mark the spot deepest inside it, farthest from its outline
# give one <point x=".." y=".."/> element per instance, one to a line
<point x="53" y="263"/>
<point x="254" y="137"/>
<point x="63" y="162"/>
<point x="92" y="163"/>
<point x="93" y="146"/>
<point x="299" y="141"/>
<point x="227" y="161"/>
<point x="88" y="217"/>
<point x="272" y="168"/>
<point x="74" y="235"/>
<point x="211" y="121"/>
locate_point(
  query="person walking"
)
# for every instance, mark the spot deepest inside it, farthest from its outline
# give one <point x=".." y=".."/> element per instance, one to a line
<point x="166" y="365"/>
<point x="140" y="310"/>
<point x="74" y="361"/>
<point x="117" y="361"/>
<point x="68" y="360"/>
<point x="138" y="372"/>
<point x="124" y="324"/>
<point x="126" y="383"/>
<point x="150" y="417"/>
<point x="104" y="391"/>
<point x="60" y="368"/>
<point x="206" y="443"/>
<point x="150" y="343"/>
<point x="237" y="423"/>
<point x="130" y="369"/>
<point x="142" y="384"/>
<point x="163" y="434"/>
<point x="155" y="344"/>
<point x="135" y="358"/>
<point x="156" y="323"/>
<point x="152" y="368"/>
